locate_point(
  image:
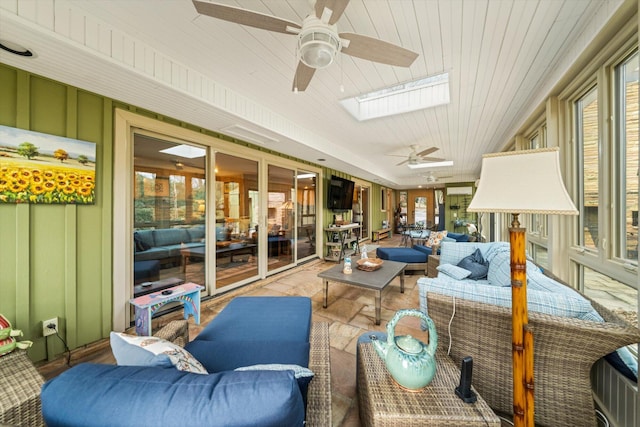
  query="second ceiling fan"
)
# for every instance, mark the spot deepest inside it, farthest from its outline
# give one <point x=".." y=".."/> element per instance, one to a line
<point x="318" y="37"/>
<point x="416" y="157"/>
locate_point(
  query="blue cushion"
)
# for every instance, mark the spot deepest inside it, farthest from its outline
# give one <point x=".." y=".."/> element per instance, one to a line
<point x="407" y="255"/>
<point x="170" y="236"/>
<point x="146" y="270"/>
<point x="261" y="319"/>
<point x="476" y="264"/>
<point x="224" y="355"/>
<point x="424" y="249"/>
<point x="459" y="237"/>
<point x="140" y="245"/>
<point x="92" y="395"/>
<point x="624" y="362"/>
<point x="153" y="253"/>
<point x="302" y="375"/>
<point x="146" y="237"/>
<point x="254" y="330"/>
<point x="196" y="234"/>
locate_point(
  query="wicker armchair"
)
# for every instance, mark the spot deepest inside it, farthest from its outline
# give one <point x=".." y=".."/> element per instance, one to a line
<point x="564" y="351"/>
<point x="319" y="392"/>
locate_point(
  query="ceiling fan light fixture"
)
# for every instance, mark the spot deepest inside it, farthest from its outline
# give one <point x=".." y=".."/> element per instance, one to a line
<point x="318" y="45"/>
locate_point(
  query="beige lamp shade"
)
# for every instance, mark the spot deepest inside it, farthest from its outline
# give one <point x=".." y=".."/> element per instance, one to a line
<point x="522" y="182"/>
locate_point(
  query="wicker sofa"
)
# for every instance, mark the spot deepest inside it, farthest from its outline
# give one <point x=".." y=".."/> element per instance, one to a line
<point x="565" y="348"/>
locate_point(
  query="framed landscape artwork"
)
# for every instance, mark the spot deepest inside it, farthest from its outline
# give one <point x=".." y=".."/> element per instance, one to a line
<point x="45" y="169"/>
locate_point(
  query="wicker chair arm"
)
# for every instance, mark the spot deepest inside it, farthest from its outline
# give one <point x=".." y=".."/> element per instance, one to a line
<point x="564" y="350"/>
<point x="319" y="394"/>
<point x="176" y="331"/>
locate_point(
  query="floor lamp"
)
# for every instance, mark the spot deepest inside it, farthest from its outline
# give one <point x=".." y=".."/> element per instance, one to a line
<point x="522" y="182"/>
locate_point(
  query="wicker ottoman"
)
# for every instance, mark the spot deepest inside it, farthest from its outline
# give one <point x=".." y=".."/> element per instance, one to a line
<point x="383" y="403"/>
<point x="20" y="385"/>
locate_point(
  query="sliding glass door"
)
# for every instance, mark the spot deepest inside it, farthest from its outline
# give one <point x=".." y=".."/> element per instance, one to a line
<point x="306" y="214"/>
<point x="280" y="227"/>
<point x="236" y="219"/>
<point x="193" y="208"/>
<point x="169" y="205"/>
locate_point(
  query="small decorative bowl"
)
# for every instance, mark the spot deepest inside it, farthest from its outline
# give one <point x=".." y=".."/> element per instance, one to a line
<point x="369" y="264"/>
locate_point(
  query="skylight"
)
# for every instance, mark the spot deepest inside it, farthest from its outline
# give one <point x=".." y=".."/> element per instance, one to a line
<point x="404" y="98"/>
<point x="430" y="164"/>
<point x="186" y="151"/>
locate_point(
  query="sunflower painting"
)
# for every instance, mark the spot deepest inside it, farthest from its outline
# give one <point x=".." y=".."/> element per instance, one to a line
<point x="45" y="169"/>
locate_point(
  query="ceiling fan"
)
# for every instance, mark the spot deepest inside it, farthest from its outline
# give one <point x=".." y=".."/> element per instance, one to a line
<point x="431" y="178"/>
<point x="318" y="37"/>
<point x="415" y="158"/>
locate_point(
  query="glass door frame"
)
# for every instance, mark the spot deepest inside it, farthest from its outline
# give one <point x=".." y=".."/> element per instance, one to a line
<point x="366" y="229"/>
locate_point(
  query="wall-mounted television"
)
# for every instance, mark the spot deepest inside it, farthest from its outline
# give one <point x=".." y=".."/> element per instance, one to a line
<point x="340" y="194"/>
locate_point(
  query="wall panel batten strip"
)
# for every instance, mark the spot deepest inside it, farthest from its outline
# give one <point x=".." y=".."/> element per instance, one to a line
<point x="105" y="152"/>
<point x="23" y="236"/>
<point x="23" y="266"/>
<point x="71" y="236"/>
<point x="72" y="113"/>
<point x="70" y="274"/>
<point x="23" y="103"/>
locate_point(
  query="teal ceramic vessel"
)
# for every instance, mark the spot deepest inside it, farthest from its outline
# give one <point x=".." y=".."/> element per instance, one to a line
<point x="411" y="363"/>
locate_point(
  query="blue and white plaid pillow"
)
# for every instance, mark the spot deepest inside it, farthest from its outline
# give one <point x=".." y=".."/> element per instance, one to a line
<point x="453" y="271"/>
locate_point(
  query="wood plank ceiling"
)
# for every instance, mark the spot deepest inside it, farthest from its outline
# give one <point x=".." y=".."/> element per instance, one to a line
<point x="503" y="57"/>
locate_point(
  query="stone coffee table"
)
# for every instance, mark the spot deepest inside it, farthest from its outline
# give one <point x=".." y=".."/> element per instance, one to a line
<point x="376" y="280"/>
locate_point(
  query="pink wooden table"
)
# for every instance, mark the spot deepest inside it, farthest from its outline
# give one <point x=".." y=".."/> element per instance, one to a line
<point x="147" y="305"/>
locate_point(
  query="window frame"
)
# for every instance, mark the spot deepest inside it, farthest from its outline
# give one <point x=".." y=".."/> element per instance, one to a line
<point x="618" y="186"/>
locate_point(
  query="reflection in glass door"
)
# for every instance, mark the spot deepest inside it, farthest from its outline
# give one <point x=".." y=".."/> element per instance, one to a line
<point x="236" y="219"/>
<point x="361" y="211"/>
<point x="420" y="211"/>
<point x="306" y="209"/>
<point x="169" y="205"/>
<point x="280" y="217"/>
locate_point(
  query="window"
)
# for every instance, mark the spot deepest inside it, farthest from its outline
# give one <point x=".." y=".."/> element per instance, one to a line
<point x="586" y="113"/>
<point x="537" y="224"/>
<point x="626" y="158"/>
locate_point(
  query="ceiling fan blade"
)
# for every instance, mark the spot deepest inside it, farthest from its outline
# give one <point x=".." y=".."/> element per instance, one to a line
<point x="377" y="50"/>
<point x="428" y="151"/>
<point x="303" y="77"/>
<point x="431" y="159"/>
<point x="402" y="162"/>
<point x="337" y="8"/>
<point x="246" y="17"/>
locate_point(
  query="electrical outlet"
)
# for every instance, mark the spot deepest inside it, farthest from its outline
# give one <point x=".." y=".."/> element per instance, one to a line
<point x="46" y="330"/>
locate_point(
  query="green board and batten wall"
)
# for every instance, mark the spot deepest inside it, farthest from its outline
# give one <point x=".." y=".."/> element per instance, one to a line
<point x="56" y="260"/>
